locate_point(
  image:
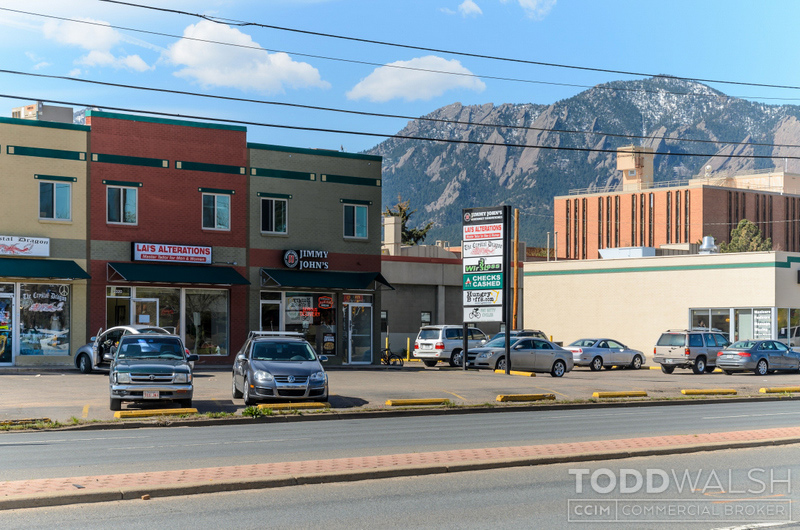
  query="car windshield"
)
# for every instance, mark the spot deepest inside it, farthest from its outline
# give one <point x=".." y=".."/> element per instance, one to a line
<point x="672" y="339"/>
<point x="153" y="330"/>
<point x="743" y="344"/>
<point x="428" y="334"/>
<point x="585" y="343"/>
<point x="497" y="342"/>
<point x="283" y="351"/>
<point x="150" y="348"/>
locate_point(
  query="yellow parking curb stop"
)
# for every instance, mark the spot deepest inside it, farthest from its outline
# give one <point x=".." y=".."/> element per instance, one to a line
<point x="779" y="390"/>
<point x="291" y="406"/>
<point x="525" y="397"/>
<point x="516" y="372"/>
<point x="708" y="391"/>
<point x="404" y="402"/>
<point x="631" y="393"/>
<point x="155" y="412"/>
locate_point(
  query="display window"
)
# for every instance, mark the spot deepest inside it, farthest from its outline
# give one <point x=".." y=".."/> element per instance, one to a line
<point x="44" y="319"/>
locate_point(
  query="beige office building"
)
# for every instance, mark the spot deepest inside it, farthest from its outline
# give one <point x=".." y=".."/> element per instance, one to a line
<point x="745" y="295"/>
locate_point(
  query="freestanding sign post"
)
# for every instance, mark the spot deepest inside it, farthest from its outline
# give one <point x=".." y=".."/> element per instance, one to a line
<point x="486" y="258"/>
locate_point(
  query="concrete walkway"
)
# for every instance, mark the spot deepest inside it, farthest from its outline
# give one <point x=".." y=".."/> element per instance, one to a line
<point x="101" y="488"/>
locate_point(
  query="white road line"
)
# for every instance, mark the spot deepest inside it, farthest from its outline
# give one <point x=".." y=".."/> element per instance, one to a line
<point x="751" y="415"/>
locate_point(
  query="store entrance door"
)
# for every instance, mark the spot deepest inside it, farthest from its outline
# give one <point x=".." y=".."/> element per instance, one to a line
<point x="144" y="311"/>
<point x="359" y="333"/>
<point x="6" y="328"/>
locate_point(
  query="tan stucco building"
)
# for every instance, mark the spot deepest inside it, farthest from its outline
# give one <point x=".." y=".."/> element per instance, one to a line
<point x="745" y="295"/>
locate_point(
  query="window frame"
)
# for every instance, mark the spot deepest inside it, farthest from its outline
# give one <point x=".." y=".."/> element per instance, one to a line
<point x="121" y="205"/>
<point x="216" y="211"/>
<point x="274" y="224"/>
<point x="355" y="207"/>
<point x="54" y="184"/>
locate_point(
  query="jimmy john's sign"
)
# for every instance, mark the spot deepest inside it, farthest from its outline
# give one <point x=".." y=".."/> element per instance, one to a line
<point x="306" y="259"/>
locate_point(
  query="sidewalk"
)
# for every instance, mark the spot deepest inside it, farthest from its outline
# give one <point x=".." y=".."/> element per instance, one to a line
<point x="102" y="488"/>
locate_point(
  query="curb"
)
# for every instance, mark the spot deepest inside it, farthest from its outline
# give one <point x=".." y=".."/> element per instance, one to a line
<point x="516" y="372"/>
<point x="779" y="389"/>
<point x="171" y="490"/>
<point x="525" y="397"/>
<point x="708" y="391"/>
<point x="121" y="414"/>
<point x="631" y="393"/>
<point x="412" y="402"/>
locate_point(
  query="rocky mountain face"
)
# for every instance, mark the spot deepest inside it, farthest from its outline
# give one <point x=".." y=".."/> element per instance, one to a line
<point x="488" y="165"/>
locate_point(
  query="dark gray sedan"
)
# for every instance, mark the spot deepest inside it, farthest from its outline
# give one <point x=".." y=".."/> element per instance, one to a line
<point x="281" y="367"/>
<point x="759" y="356"/>
<point x="597" y="353"/>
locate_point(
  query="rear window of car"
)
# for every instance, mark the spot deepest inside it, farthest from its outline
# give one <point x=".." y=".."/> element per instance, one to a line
<point x="166" y="348"/>
<point x="743" y="344"/>
<point x="428" y="334"/>
<point x="672" y="339"/>
<point x="584" y="343"/>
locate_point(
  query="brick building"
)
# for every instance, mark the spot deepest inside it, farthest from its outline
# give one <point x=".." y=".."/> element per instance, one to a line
<point x="641" y="213"/>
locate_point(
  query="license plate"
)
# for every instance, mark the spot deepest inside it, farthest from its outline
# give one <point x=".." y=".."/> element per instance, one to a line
<point x="667" y="361"/>
<point x="729" y="356"/>
<point x="153" y="394"/>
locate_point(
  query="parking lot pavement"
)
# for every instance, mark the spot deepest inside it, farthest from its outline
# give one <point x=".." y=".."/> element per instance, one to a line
<point x="62" y="396"/>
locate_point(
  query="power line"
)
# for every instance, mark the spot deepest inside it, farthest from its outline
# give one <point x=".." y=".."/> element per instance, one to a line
<point x="604" y="86"/>
<point x="220" y="20"/>
<point x="381" y="135"/>
<point x="393" y="116"/>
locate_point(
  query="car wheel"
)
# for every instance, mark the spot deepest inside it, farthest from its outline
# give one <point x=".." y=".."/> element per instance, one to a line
<point x="501" y="364"/>
<point x="559" y="368"/>
<point x="248" y="401"/>
<point x="115" y="404"/>
<point x="636" y="363"/>
<point x="456" y="358"/>
<point x="667" y="369"/>
<point x="84" y="364"/>
<point x="699" y="365"/>
<point x="597" y="364"/>
<point x="710" y="369"/>
<point x="762" y="368"/>
<point x="430" y="363"/>
<point x="235" y="392"/>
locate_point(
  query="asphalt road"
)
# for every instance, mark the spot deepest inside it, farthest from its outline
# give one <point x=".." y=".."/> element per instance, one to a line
<point x="531" y="497"/>
<point x="64" y="395"/>
<point x="46" y="454"/>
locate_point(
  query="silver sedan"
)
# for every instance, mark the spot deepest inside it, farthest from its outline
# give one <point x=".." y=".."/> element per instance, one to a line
<point x="597" y="353"/>
<point x="759" y="356"/>
<point x="527" y="354"/>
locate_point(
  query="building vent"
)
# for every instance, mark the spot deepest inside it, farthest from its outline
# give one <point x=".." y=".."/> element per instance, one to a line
<point x="708" y="246"/>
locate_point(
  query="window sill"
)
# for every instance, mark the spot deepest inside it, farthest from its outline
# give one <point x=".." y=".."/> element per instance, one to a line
<point x="274" y="234"/>
<point x="56" y="221"/>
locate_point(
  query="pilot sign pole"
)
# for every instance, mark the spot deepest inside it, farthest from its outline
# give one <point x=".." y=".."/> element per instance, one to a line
<point x="486" y="258"/>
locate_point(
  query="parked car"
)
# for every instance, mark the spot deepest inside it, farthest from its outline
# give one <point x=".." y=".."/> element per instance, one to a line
<point x="684" y="348"/>
<point x="597" y="353"/>
<point x="759" y="356"/>
<point x="523" y="333"/>
<point x="278" y="366"/>
<point x="445" y="343"/>
<point x="151" y="367"/>
<point x="527" y="354"/>
<point x="98" y="354"/>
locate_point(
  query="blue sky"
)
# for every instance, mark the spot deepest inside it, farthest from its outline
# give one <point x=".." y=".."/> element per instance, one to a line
<point x="733" y="40"/>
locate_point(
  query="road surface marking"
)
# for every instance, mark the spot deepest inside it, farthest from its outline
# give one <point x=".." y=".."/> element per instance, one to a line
<point x="453" y="394"/>
<point x="751" y="415"/>
<point x="85" y="411"/>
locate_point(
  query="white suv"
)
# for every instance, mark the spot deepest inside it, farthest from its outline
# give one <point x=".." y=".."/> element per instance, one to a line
<point x="445" y="343"/>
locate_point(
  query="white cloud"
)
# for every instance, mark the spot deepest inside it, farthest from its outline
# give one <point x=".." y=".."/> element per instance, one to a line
<point x="468" y="8"/>
<point x="537" y="9"/>
<point x="39" y="66"/>
<point x="98" y="38"/>
<point x="250" y="68"/>
<point x="386" y="83"/>
<point x="75" y="72"/>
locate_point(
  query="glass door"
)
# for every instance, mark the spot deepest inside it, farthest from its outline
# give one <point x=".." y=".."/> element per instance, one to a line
<point x="359" y="333"/>
<point x="270" y="315"/>
<point x="144" y="311"/>
<point x="6" y="328"/>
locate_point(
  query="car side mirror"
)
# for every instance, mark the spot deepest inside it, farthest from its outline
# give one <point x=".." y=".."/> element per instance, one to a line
<point x="108" y="356"/>
<point x="323" y="358"/>
<point x="192" y="357"/>
<point x="483" y="341"/>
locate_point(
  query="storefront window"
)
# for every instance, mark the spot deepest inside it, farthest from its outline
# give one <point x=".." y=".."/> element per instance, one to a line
<point x="762" y="324"/>
<point x="270" y="311"/>
<point x="721" y="320"/>
<point x="207" y="321"/>
<point x="783" y="324"/>
<point x="744" y="324"/>
<point x="169" y="306"/>
<point x="313" y="314"/>
<point x="700" y="319"/>
<point x="118" y="302"/>
<point x="44" y="319"/>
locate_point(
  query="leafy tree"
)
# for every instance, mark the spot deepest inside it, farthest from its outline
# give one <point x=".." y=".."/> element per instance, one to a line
<point x="410" y="236"/>
<point x="746" y="237"/>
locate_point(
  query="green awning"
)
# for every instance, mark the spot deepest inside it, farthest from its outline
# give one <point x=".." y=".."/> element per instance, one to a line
<point x="158" y="273"/>
<point x="41" y="268"/>
<point x="322" y="279"/>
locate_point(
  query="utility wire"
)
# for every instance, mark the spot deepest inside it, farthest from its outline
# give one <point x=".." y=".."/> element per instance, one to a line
<point x="604" y="86"/>
<point x="393" y="116"/>
<point x="220" y="20"/>
<point x="391" y="136"/>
